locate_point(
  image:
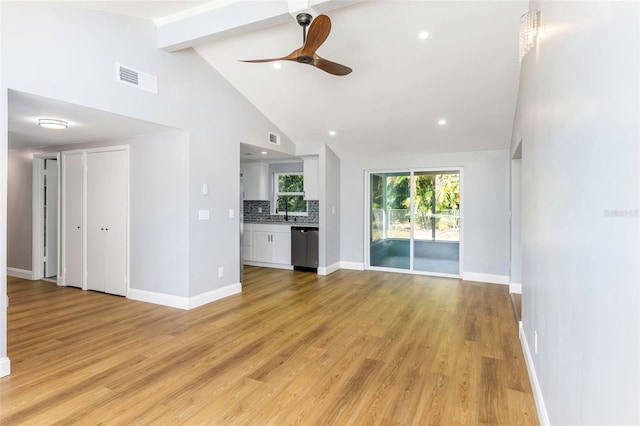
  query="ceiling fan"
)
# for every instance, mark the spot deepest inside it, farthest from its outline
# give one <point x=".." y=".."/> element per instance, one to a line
<point x="318" y="33"/>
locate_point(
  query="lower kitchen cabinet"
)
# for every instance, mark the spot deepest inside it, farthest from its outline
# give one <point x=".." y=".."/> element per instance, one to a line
<point x="270" y="244"/>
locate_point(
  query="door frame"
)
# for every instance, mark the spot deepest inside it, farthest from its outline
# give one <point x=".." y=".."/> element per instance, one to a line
<point x="367" y="219"/>
<point x="37" y="215"/>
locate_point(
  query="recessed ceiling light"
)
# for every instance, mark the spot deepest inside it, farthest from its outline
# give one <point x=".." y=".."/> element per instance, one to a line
<point x="442" y="122"/>
<point x="50" y="123"/>
<point x="332" y="132"/>
<point x="264" y="152"/>
<point x="423" y="35"/>
<point x="277" y="65"/>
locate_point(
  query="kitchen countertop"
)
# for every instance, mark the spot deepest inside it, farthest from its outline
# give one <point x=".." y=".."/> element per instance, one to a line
<point x="289" y="223"/>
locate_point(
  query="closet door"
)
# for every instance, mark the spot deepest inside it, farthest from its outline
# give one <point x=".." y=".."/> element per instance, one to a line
<point x="72" y="184"/>
<point x="106" y="204"/>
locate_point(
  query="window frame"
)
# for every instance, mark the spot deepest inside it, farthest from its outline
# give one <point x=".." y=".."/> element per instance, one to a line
<point x="277" y="194"/>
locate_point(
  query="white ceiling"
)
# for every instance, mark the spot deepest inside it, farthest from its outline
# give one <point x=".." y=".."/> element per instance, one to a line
<point x="466" y="71"/>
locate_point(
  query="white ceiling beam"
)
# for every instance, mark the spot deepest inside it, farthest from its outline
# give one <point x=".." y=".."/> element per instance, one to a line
<point x="231" y="19"/>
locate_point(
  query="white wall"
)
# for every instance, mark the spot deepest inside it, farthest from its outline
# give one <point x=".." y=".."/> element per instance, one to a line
<point x="578" y="119"/>
<point x="5" y="365"/>
<point x="485" y="198"/>
<point x="159" y="208"/>
<point x="19" y="209"/>
<point x="192" y="96"/>
<point x="330" y="208"/>
<point x="516" y="223"/>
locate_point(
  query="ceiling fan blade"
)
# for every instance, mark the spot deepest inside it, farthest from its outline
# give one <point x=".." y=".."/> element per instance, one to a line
<point x="318" y="33"/>
<point x="330" y="67"/>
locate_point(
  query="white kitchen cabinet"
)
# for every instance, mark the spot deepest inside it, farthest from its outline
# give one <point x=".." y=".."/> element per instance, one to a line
<point x="281" y="244"/>
<point x="246" y="241"/>
<point x="255" y="180"/>
<point x="311" y="172"/>
<point x="271" y="244"/>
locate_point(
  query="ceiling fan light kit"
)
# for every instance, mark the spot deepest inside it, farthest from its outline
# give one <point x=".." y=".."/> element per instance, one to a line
<point x="319" y="29"/>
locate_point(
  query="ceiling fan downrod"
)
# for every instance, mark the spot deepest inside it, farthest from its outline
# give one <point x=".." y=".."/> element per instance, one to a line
<point x="304" y="19"/>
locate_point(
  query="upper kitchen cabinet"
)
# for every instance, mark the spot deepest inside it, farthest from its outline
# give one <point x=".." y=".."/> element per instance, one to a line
<point x="311" y="178"/>
<point x="255" y="180"/>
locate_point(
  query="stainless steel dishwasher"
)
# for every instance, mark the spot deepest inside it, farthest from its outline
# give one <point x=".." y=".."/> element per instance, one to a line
<point x="304" y="248"/>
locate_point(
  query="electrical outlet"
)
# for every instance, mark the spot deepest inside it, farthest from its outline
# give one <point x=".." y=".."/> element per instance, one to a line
<point x="220" y="272"/>
<point x="535" y="342"/>
<point x="259" y="209"/>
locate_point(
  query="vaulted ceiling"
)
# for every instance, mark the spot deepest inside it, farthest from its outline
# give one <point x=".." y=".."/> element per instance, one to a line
<point x="465" y="72"/>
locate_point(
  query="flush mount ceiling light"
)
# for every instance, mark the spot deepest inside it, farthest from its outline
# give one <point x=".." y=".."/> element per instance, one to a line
<point x="332" y="132"/>
<point x="423" y="35"/>
<point x="263" y="152"/>
<point x="277" y="65"/>
<point x="442" y="122"/>
<point x="529" y="24"/>
<point x="50" y="123"/>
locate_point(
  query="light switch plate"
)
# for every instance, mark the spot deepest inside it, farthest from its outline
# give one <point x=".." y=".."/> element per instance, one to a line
<point x="232" y="213"/>
<point x="203" y="214"/>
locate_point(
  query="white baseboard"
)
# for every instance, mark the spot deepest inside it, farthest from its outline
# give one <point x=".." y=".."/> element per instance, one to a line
<point x="515" y="288"/>
<point x="158" y="298"/>
<point x="5" y="366"/>
<point x="356" y="266"/>
<point x="485" y="278"/>
<point x="20" y="273"/>
<point x="213" y="295"/>
<point x="543" y="416"/>
<point x="329" y="269"/>
<point x="183" y="302"/>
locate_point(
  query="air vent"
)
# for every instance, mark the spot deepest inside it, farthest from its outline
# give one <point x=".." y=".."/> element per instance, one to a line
<point x="132" y="77"/>
<point x="274" y="138"/>
<point x="128" y="76"/>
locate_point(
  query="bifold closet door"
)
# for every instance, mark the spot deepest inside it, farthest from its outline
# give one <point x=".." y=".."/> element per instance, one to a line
<point x="106" y="204"/>
<point x="72" y="180"/>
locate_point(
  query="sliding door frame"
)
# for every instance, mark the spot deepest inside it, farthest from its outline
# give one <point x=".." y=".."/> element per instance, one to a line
<point x="367" y="219"/>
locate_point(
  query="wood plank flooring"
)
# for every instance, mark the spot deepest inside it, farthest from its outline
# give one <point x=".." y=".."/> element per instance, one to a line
<point x="294" y="348"/>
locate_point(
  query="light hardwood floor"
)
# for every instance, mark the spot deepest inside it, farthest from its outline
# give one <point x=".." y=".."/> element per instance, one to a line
<point x="293" y="348"/>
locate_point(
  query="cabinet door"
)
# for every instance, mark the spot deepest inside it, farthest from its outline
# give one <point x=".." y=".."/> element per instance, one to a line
<point x="255" y="181"/>
<point x="261" y="247"/>
<point x="311" y="178"/>
<point x="72" y="188"/>
<point x="107" y="221"/>
<point x="281" y="246"/>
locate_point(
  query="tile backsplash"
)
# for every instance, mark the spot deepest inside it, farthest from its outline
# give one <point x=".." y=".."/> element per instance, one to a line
<point x="252" y="208"/>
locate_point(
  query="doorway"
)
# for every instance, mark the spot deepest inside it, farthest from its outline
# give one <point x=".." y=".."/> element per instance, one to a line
<point x="45" y="217"/>
<point x="414" y="221"/>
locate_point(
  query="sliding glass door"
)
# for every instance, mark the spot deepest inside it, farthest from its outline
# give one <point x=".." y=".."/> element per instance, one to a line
<point x="414" y="221"/>
<point x="390" y="220"/>
<point x="436" y="242"/>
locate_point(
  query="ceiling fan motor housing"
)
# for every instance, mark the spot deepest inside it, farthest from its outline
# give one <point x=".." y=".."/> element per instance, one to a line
<point x="304" y="19"/>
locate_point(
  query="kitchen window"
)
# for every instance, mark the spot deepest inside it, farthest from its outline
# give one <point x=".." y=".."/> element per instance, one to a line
<point x="288" y="194"/>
